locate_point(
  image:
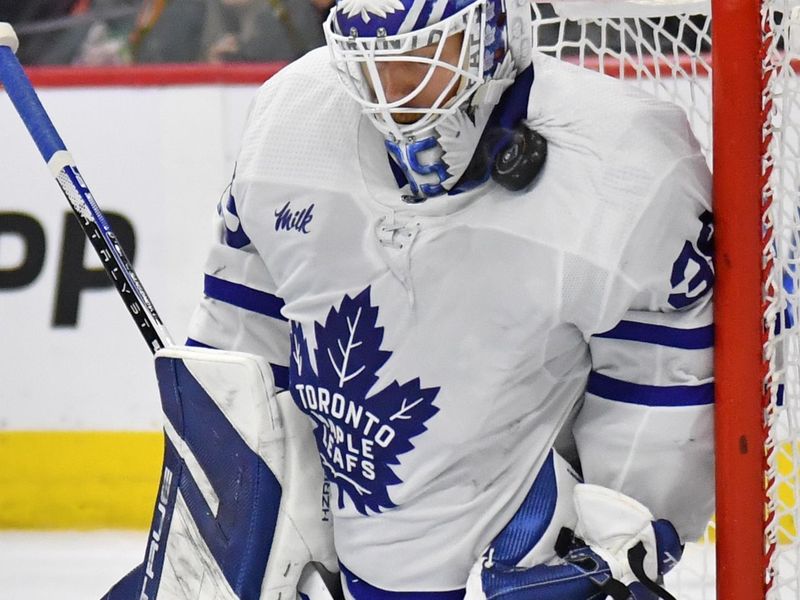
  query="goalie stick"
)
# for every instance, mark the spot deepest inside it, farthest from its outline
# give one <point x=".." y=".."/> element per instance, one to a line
<point x="94" y="224"/>
<point x="66" y="173"/>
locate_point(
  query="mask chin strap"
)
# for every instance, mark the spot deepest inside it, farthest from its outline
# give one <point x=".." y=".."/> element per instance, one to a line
<point x="508" y="151"/>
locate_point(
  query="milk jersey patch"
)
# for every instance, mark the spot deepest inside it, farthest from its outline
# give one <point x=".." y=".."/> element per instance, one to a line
<point x="287" y="219"/>
<point x="360" y="432"/>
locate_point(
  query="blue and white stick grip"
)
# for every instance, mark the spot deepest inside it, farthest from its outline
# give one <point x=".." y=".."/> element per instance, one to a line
<point x="19" y="89"/>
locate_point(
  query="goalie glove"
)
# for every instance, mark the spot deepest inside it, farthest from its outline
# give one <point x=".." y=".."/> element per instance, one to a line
<point x="622" y="532"/>
<point x="581" y="575"/>
<point x="616" y="551"/>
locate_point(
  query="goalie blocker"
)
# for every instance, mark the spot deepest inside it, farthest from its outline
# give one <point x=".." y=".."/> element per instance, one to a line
<point x="232" y="518"/>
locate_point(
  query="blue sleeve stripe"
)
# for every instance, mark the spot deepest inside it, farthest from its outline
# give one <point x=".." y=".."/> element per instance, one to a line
<point x="244" y="297"/>
<point x="195" y="344"/>
<point x="649" y="395"/>
<point x="280" y="374"/>
<point x="698" y="338"/>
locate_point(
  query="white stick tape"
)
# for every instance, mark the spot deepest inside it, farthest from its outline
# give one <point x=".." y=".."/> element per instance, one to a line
<point x="58" y="161"/>
<point x="8" y="37"/>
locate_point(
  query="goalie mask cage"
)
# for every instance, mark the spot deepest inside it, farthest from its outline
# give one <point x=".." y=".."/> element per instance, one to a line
<point x="750" y="551"/>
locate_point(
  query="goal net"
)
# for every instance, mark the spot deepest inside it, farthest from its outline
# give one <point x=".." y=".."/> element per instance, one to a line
<point x="665" y="47"/>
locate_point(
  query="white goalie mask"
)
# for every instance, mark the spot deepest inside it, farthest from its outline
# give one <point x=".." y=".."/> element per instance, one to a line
<point x="454" y="57"/>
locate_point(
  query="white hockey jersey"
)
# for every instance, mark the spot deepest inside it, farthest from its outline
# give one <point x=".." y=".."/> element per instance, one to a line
<point x="441" y="347"/>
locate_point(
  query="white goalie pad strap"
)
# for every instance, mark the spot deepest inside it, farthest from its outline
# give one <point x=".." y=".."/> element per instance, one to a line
<point x="312" y="585"/>
<point x="612" y="523"/>
<point x="241" y="513"/>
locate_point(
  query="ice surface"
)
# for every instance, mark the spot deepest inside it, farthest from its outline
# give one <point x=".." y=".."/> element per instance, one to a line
<point x="66" y="565"/>
<point x="84" y="565"/>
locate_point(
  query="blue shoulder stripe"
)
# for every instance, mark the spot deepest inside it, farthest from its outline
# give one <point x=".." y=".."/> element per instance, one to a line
<point x="698" y="338"/>
<point x="280" y="374"/>
<point x="244" y="297"/>
<point x="649" y="395"/>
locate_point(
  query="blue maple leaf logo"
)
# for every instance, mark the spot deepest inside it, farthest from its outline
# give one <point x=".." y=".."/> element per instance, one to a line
<point x="360" y="435"/>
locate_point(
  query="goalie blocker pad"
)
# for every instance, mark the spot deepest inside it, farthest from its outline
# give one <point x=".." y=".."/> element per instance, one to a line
<point x="241" y="507"/>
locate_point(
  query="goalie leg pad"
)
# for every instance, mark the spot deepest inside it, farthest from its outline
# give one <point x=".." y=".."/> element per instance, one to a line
<point x="236" y="515"/>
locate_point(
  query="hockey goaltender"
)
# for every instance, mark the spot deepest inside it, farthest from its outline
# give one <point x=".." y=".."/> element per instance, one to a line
<point x="455" y="340"/>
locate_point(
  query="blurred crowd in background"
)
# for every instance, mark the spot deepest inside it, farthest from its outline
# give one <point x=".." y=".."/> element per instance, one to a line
<point x="118" y="32"/>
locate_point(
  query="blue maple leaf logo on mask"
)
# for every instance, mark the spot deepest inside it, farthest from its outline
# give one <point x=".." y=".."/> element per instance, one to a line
<point x="360" y="433"/>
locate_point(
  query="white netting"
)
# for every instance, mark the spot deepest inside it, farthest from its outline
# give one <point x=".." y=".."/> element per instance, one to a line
<point x="663" y="46"/>
<point x="781" y="165"/>
<point x="667" y="56"/>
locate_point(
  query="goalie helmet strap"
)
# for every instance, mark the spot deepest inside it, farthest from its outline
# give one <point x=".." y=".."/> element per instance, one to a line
<point x="499" y="136"/>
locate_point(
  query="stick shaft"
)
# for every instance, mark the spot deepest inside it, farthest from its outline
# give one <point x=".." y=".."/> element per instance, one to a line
<point x="72" y="184"/>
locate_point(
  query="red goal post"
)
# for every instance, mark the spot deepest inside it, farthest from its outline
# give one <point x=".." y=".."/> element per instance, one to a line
<point x="667" y="48"/>
<point x="743" y="390"/>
